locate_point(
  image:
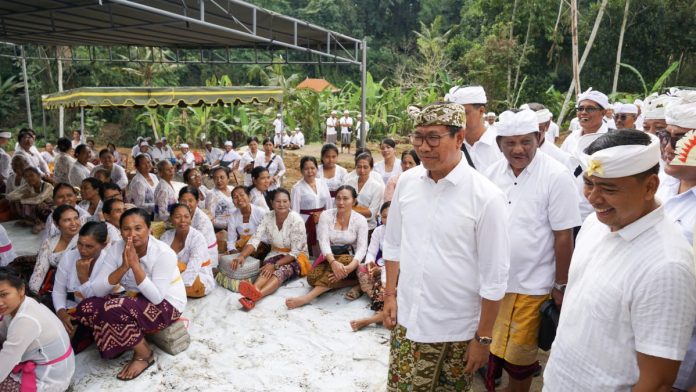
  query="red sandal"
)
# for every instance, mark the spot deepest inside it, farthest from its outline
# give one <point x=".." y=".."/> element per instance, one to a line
<point x="249" y="291"/>
<point x="247" y="304"/>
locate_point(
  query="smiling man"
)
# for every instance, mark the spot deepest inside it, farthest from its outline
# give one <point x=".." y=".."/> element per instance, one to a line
<point x="543" y="210"/>
<point x="630" y="304"/>
<point x="438" y="243"/>
<point x="625" y="116"/>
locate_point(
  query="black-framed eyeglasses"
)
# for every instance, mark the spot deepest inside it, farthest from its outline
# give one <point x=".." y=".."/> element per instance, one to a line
<point x="587" y="109"/>
<point x="433" y="139"/>
<point x="666" y="138"/>
<point x="622" y="116"/>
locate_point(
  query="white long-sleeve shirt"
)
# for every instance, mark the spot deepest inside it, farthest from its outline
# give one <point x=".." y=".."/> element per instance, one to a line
<point x="162" y="281"/>
<point x="370" y="196"/>
<point x="66" y="280"/>
<point x="118" y="175"/>
<point x="196" y="257"/>
<point x="441" y="234"/>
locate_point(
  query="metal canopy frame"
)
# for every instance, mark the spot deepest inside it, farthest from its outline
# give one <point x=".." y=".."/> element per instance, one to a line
<point x="202" y="25"/>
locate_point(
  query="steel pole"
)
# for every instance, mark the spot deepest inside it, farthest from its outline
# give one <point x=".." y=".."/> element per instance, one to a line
<point x="26" y="87"/>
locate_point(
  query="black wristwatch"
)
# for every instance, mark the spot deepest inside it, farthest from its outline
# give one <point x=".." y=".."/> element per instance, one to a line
<point x="484" y="340"/>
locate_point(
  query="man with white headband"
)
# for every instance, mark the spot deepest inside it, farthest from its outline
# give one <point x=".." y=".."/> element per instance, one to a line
<point x="136" y="149"/>
<point x="609" y="115"/>
<point x="654" y="112"/>
<point x="278" y="128"/>
<point x="542" y="212"/>
<point x="297" y="140"/>
<point x="230" y="158"/>
<point x="591" y="108"/>
<point x="167" y="151"/>
<point x="490" y="119"/>
<point x="331" y="124"/>
<point x="187" y="160"/>
<point x="630" y="303"/>
<point x="625" y="116"/>
<point x="447" y="244"/>
<point x="479" y="146"/>
<point x="213" y="155"/>
<point x="639" y="120"/>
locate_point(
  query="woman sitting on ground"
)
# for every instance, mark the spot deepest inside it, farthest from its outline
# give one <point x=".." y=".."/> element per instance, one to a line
<point x="329" y="170"/>
<point x="193" y="178"/>
<point x="310" y="196"/>
<point x="244" y="221"/>
<point x="154" y="299"/>
<point x="372" y="275"/>
<point x="63" y="194"/>
<point x="192" y="252"/>
<point x="285" y="231"/>
<point x="200" y="221"/>
<point x="165" y="195"/>
<point x="273" y="163"/>
<point x="116" y="173"/>
<point x="64" y="161"/>
<point x="370" y="190"/>
<point x="219" y="201"/>
<point x="34" y="198"/>
<point x="141" y="190"/>
<point x="112" y="211"/>
<point x="258" y="191"/>
<point x="343" y="239"/>
<point x="91" y="200"/>
<point x="409" y="160"/>
<point x="32" y="341"/>
<point x="73" y="284"/>
<point x="390" y="166"/>
<point x="67" y="220"/>
<point x="81" y="167"/>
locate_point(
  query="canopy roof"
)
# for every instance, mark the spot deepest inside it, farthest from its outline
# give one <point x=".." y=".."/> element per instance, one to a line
<point x="126" y="97"/>
<point x="166" y="23"/>
<point x="317" y="85"/>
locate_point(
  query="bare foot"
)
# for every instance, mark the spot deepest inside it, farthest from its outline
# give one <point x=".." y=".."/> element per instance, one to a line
<point x="136" y="367"/>
<point x="354" y="293"/>
<point x="357" y="325"/>
<point x="296" y="302"/>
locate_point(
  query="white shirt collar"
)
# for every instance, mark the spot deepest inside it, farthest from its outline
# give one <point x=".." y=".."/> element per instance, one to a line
<point x="646" y="222"/>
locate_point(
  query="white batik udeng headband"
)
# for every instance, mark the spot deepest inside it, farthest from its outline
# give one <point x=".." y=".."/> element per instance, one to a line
<point x="621" y="161"/>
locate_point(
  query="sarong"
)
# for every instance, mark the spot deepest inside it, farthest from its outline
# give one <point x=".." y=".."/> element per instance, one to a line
<point x="311" y="228"/>
<point x="345" y="139"/>
<point x="331" y="138"/>
<point x="119" y="323"/>
<point x="319" y="275"/>
<point x="285" y="272"/>
<point x="427" y="366"/>
<point x="372" y="286"/>
<point x="9" y="385"/>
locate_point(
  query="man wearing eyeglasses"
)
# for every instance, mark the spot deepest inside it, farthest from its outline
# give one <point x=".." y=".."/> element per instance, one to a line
<point x="479" y="147"/>
<point x="678" y="195"/>
<point x="447" y="243"/>
<point x="543" y="210"/>
<point x="625" y="116"/>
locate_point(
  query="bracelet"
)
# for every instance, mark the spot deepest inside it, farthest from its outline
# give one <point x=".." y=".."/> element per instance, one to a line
<point x="389" y="293"/>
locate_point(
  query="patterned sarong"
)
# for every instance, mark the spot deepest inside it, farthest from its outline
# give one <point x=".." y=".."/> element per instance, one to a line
<point x="426" y="366"/>
<point x="319" y="275"/>
<point x="119" y="323"/>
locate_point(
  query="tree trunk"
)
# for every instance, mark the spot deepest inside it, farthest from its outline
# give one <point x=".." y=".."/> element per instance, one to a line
<point x="555" y="30"/>
<point x="615" y="85"/>
<point x="524" y="53"/>
<point x="61" y="110"/>
<point x="509" y="71"/>
<point x="585" y="53"/>
<point x="574" y="31"/>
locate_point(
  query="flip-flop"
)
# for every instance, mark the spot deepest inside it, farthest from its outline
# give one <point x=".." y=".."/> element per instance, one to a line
<point x="249" y="291"/>
<point x="247" y="304"/>
<point x="150" y="361"/>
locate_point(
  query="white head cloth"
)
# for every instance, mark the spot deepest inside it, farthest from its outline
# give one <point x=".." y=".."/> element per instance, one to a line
<point x="686" y="153"/>
<point x="654" y="106"/>
<point x="619" y="161"/>
<point x="228" y="143"/>
<point x="638" y="102"/>
<point x="183" y="145"/>
<point x="627" y="108"/>
<point x="515" y="124"/>
<point x="334" y="112"/>
<point x="297" y="129"/>
<point x="524" y="106"/>
<point x="682" y="112"/>
<point x="144" y="144"/>
<point x="5" y="135"/>
<point x="490" y="114"/>
<point x="600" y="98"/>
<point x="543" y="115"/>
<point x="466" y="95"/>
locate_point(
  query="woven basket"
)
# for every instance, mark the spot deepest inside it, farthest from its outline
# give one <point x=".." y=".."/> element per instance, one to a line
<point x="248" y="270"/>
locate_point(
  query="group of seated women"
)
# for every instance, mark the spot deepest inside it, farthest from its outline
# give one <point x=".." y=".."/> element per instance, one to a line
<point x="121" y="264"/>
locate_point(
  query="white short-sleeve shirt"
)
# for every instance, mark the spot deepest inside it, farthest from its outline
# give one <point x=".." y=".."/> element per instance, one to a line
<point x="629" y="291"/>
<point x="541" y="200"/>
<point x="440" y="233"/>
<point x="485" y="152"/>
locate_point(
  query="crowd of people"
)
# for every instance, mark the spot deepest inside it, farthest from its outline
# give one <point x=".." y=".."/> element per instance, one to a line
<point x="467" y="245"/>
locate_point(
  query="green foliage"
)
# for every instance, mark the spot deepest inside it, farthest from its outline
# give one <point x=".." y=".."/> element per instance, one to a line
<point x="8" y="96"/>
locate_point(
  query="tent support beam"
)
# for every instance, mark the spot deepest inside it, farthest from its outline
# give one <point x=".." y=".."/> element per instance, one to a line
<point x="363" y="93"/>
<point x="27" y="99"/>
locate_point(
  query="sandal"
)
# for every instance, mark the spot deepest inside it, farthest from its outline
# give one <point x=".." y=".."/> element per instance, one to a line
<point x="249" y="291"/>
<point x="149" y="360"/>
<point x="354" y="293"/>
<point x="247" y="304"/>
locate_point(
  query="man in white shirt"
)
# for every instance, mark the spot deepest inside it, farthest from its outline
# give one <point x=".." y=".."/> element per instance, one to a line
<point x="490" y="119"/>
<point x="278" y="130"/>
<point x="630" y="304"/>
<point x="451" y="274"/>
<point x="590" y="115"/>
<point x="156" y="152"/>
<point x="297" y="140"/>
<point x="553" y="132"/>
<point x="346" y="123"/>
<point x="136" y="149"/>
<point x="654" y="112"/>
<point x="544" y="121"/>
<point x="188" y="160"/>
<point x="331" y="124"/>
<point x="25" y="147"/>
<point x="609" y="115"/>
<point x="212" y="156"/>
<point x="167" y="152"/>
<point x="639" y="120"/>
<point x="625" y="116"/>
<point x="543" y="210"/>
<point x="480" y="149"/>
<point x="358" y="129"/>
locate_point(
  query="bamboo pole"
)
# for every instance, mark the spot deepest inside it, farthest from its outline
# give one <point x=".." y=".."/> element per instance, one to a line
<point x="617" y="66"/>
